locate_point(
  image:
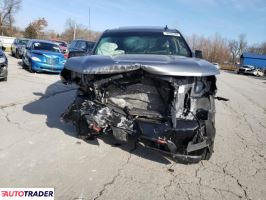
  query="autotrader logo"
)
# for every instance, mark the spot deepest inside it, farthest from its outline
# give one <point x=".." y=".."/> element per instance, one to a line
<point x="27" y="193"/>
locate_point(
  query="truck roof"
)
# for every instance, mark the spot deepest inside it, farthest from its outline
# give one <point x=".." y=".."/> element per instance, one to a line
<point x="142" y="29"/>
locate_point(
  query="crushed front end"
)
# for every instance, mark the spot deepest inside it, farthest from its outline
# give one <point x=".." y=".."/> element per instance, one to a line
<point x="172" y="114"/>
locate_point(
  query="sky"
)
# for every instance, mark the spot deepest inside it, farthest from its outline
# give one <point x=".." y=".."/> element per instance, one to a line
<point x="229" y="18"/>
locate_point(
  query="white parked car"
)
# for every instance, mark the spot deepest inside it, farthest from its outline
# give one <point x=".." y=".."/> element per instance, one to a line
<point x="216" y="65"/>
<point x="246" y="69"/>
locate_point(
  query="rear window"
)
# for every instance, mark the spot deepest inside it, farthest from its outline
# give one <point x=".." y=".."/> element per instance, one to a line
<point x="90" y="45"/>
<point x="81" y="45"/>
<point x="23" y="42"/>
<point x="72" y="44"/>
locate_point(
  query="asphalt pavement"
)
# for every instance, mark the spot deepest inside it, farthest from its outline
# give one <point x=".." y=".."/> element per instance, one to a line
<point x="37" y="150"/>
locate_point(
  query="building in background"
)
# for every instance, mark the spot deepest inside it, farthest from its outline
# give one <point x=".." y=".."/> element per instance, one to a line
<point x="6" y="41"/>
<point x="251" y="59"/>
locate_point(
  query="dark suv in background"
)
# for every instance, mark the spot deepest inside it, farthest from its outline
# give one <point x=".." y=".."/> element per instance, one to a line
<point x="80" y="48"/>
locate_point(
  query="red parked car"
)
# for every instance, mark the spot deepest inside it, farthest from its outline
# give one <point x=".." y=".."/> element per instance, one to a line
<point x="62" y="45"/>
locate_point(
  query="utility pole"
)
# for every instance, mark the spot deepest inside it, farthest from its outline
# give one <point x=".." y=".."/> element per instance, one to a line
<point x="75" y="27"/>
<point x="89" y="23"/>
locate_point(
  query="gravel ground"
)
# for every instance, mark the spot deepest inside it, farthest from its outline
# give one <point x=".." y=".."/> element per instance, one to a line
<point x="37" y="150"/>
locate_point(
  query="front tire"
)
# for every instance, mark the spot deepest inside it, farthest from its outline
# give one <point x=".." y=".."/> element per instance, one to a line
<point x="12" y="53"/>
<point x="30" y="68"/>
<point x="24" y="66"/>
<point x="17" y="55"/>
<point x="209" y="132"/>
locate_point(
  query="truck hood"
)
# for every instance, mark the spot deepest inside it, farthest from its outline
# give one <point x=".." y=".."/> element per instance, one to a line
<point x="154" y="64"/>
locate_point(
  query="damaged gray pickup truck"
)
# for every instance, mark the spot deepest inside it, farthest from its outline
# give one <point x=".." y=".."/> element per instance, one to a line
<point x="145" y="84"/>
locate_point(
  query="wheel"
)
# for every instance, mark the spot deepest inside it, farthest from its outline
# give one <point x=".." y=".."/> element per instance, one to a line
<point x="17" y="55"/>
<point x="209" y="133"/>
<point x="5" y="79"/>
<point x="30" y="68"/>
<point x="24" y="66"/>
<point x="12" y="53"/>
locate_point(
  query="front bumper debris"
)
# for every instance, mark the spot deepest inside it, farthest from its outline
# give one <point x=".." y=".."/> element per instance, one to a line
<point x="174" y="115"/>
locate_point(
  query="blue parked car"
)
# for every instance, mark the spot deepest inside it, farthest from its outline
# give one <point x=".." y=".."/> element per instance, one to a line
<point x="42" y="55"/>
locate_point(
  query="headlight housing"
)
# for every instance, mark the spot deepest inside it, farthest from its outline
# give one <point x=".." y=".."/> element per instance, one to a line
<point x="2" y="60"/>
<point x="199" y="86"/>
<point x="36" y="59"/>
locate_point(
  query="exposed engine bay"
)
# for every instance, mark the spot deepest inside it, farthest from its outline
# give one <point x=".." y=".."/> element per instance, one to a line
<point x="172" y="114"/>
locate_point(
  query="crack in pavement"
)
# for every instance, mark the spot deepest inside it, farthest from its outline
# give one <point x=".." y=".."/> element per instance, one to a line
<point x="9" y="120"/>
<point x="175" y="176"/>
<point x="168" y="186"/>
<point x="130" y="178"/>
<point x="216" y="189"/>
<point x="198" y="177"/>
<point x="244" y="188"/>
<point x="244" y="95"/>
<point x="7" y="117"/>
<point x="102" y="191"/>
<point x="225" y="172"/>
<point x="171" y="180"/>
<point x="46" y="96"/>
<point x="246" y="123"/>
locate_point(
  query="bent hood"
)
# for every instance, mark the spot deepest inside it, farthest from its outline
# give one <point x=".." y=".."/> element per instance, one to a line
<point x="47" y="53"/>
<point x="154" y="64"/>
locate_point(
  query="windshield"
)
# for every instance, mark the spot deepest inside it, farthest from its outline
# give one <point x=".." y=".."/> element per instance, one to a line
<point x="45" y="46"/>
<point x="23" y="42"/>
<point x="142" y="43"/>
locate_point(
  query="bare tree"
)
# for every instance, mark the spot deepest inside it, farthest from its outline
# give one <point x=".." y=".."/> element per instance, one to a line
<point x="39" y="25"/>
<point x="81" y="32"/>
<point x="258" y="48"/>
<point x="215" y="49"/>
<point x="234" y="50"/>
<point x="68" y="33"/>
<point x="237" y="47"/>
<point x="50" y="34"/>
<point x="30" y="32"/>
<point x="35" y="28"/>
<point x="8" y="8"/>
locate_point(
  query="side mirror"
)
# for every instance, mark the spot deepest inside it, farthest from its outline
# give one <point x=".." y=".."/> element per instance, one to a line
<point x="198" y="53"/>
<point x="3" y="48"/>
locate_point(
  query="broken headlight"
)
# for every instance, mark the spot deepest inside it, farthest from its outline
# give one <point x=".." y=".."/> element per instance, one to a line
<point x="199" y="87"/>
